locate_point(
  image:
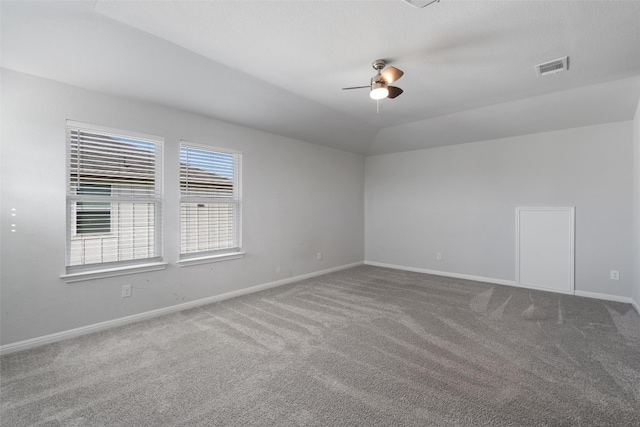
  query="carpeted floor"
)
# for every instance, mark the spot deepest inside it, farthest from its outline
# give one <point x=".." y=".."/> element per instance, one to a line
<point x="366" y="346"/>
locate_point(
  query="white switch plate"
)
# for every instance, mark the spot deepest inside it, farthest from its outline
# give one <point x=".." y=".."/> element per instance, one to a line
<point x="615" y="275"/>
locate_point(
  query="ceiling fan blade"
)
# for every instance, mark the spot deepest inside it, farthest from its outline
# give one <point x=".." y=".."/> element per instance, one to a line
<point x="394" y="91"/>
<point x="356" y="87"/>
<point x="392" y="74"/>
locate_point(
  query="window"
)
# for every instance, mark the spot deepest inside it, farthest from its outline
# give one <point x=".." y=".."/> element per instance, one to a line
<point x="210" y="202"/>
<point x="113" y="197"/>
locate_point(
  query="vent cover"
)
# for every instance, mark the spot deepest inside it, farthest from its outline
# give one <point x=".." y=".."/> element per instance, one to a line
<point x="553" y="67"/>
<point x="420" y="3"/>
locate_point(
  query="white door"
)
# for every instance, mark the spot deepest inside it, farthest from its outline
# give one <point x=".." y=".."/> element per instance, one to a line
<point x="545" y="248"/>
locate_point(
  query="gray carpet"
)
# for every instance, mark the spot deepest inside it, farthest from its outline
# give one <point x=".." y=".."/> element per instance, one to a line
<point x="366" y="346"/>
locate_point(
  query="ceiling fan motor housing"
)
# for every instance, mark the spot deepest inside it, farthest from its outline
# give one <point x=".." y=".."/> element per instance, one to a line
<point x="377" y="80"/>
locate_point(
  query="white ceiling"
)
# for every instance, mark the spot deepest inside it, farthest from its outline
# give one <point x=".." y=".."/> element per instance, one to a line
<point x="279" y="66"/>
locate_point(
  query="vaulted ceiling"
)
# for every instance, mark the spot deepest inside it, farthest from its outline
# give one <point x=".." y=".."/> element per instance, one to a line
<point x="279" y="66"/>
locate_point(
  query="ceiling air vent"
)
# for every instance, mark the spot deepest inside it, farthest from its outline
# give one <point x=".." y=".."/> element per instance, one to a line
<point x="420" y="3"/>
<point x="553" y="67"/>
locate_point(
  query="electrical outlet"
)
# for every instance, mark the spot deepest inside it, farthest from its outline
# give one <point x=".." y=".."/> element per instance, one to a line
<point x="615" y="275"/>
<point x="319" y="256"/>
<point x="126" y="291"/>
<point x="439" y="256"/>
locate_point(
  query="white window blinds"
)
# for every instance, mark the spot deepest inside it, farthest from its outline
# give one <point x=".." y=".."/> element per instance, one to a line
<point x="113" y="198"/>
<point x="210" y="202"/>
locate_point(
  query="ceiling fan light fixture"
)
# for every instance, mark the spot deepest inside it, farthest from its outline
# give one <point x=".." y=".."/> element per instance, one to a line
<point x="379" y="90"/>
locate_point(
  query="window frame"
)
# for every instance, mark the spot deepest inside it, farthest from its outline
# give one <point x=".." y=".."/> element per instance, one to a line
<point x="213" y="255"/>
<point x="86" y="271"/>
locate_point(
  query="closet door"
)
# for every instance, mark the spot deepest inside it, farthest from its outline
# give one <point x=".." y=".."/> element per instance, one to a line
<point x="545" y="248"/>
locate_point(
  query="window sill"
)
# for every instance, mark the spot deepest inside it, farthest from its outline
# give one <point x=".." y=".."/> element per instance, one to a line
<point x="115" y="271"/>
<point x="210" y="258"/>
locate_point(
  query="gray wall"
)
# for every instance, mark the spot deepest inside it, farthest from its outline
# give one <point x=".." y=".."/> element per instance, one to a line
<point x="302" y="198"/>
<point x="299" y="199"/>
<point x="636" y="208"/>
<point x="460" y="201"/>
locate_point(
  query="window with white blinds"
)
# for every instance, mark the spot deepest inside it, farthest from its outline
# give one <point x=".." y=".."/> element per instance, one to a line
<point x="114" y="197"/>
<point x="210" y="200"/>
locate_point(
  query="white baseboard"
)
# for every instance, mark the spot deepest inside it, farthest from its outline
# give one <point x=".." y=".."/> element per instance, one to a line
<point x="444" y="273"/>
<point x="605" y="297"/>
<point x="595" y="295"/>
<point x="84" y="330"/>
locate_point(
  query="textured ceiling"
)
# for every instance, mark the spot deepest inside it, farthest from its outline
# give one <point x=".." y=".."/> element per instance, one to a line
<point x="279" y="66"/>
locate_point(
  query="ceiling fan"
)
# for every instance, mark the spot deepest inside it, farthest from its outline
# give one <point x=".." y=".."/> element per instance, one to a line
<point x="379" y="86"/>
